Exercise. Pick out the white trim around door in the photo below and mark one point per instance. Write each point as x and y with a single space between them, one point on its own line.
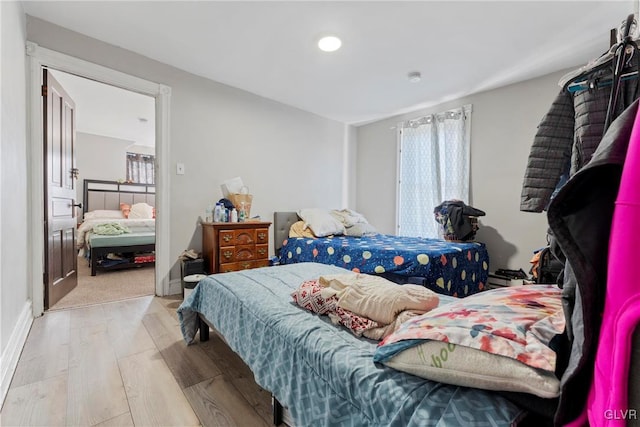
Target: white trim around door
40 58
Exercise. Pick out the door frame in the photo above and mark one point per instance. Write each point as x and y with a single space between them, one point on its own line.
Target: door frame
40 57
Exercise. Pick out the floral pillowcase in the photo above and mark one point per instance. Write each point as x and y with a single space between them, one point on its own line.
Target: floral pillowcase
494 340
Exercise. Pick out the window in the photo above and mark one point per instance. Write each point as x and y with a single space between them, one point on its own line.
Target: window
141 168
433 167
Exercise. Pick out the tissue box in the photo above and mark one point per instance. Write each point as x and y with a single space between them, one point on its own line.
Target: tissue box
231 186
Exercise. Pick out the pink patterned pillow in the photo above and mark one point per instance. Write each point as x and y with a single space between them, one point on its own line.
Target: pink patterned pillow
308 296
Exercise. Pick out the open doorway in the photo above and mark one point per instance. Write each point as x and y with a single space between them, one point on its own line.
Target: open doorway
114 166
41 58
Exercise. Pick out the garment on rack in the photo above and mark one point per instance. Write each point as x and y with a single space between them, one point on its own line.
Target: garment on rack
569 134
585 69
609 389
580 218
627 28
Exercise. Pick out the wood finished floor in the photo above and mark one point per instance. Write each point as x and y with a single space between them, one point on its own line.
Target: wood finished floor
125 364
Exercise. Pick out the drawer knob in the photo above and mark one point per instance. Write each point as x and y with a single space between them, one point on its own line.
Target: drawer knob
262 236
226 238
227 254
262 251
246 265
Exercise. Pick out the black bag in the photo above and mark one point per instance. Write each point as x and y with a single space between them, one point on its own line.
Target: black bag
549 268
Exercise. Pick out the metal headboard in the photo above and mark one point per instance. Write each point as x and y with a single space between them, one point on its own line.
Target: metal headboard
282 222
100 194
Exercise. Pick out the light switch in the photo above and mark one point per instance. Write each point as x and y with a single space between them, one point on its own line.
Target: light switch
179 168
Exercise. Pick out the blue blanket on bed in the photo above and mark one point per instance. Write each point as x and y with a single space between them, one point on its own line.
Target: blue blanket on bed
457 269
320 371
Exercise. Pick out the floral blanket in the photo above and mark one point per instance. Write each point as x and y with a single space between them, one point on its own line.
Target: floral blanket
516 322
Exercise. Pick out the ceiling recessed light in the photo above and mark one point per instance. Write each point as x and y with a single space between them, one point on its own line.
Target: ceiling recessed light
414 77
329 43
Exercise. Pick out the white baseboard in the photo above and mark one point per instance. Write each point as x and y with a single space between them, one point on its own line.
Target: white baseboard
175 287
11 354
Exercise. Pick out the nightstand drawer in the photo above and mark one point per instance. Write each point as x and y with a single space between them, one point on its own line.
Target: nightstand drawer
238 253
237 237
262 235
242 265
262 251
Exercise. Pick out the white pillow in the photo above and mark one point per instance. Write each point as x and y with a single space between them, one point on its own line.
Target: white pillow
141 211
321 222
349 217
103 214
465 366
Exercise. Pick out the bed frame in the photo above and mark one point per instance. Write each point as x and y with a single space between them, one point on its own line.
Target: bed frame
100 194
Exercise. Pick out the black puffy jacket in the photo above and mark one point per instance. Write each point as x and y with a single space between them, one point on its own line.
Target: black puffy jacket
569 134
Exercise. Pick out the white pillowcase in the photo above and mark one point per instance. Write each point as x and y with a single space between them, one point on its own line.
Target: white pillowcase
321 222
103 214
469 367
141 211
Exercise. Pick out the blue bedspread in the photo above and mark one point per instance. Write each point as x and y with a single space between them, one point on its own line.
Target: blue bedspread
457 269
320 371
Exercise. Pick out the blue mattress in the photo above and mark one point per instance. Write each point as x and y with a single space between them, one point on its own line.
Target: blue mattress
457 269
320 371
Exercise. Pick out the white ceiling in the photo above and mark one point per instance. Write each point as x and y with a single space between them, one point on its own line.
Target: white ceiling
110 111
269 48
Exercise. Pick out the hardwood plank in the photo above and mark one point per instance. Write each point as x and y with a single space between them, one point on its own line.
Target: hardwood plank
217 402
87 316
43 403
171 303
131 310
123 420
46 351
124 325
154 396
96 391
129 340
189 364
239 374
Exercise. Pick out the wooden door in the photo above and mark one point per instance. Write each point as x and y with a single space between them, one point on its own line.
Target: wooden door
60 192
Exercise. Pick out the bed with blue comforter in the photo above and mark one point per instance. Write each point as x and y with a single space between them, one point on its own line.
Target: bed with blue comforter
321 372
457 269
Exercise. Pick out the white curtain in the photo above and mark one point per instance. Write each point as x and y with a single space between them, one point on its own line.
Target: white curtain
434 163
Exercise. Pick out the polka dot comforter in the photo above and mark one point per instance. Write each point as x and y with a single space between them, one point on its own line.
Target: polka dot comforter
456 269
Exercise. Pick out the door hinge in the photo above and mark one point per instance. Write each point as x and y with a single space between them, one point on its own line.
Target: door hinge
44 90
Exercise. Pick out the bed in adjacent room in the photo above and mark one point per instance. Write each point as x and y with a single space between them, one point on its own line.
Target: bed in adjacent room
118 230
452 268
325 374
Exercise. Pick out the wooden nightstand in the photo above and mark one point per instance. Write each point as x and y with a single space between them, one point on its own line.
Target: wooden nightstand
233 246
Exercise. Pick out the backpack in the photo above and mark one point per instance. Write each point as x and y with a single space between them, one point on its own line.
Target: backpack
549 268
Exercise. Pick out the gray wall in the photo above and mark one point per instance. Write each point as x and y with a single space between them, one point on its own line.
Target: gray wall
103 157
503 125
100 157
287 157
14 289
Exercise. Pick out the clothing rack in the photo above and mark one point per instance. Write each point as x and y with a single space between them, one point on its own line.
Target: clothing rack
603 62
619 54
621 57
